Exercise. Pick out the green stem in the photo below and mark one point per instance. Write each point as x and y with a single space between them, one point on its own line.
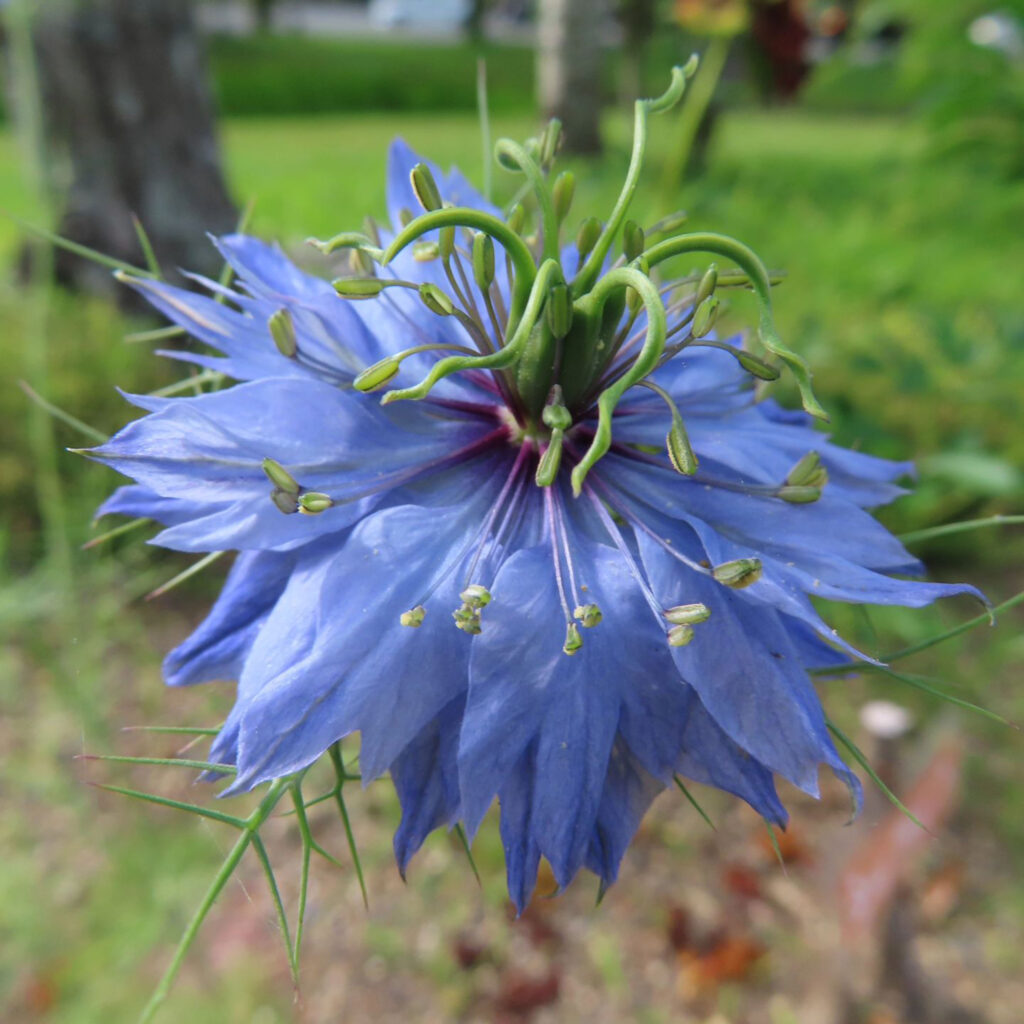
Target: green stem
748 261
550 273
645 362
946 529
515 247
642 109
252 825
538 184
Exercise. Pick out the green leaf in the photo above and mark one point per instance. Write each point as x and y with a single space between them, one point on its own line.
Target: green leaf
693 800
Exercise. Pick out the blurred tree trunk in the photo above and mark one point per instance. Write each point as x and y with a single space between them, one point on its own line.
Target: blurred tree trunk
129 130
264 11
638 18
473 26
569 64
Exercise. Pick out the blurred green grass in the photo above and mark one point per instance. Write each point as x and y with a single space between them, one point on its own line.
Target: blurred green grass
901 291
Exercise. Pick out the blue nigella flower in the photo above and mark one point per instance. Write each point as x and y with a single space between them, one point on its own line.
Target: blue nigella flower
577 559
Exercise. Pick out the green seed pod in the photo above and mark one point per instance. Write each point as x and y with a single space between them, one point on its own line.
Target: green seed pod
425 187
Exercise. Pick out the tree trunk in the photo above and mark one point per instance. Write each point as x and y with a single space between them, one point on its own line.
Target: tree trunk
570 59
130 130
638 18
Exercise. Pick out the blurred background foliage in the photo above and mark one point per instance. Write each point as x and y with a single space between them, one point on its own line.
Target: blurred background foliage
889 186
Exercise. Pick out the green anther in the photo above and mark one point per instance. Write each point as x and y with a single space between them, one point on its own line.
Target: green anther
587 236
425 252
808 472
550 141
483 261
680 451
372 231
358 287
425 188
406 216
476 596
413 617
377 375
589 615
680 636
669 225
799 494
282 330
687 614
312 503
550 461
559 310
360 262
739 573
562 193
704 318
707 285
435 300
468 620
284 501
516 219
756 367
633 240
573 640
280 477
446 242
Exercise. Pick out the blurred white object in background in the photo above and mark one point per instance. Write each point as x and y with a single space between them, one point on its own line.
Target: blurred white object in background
435 14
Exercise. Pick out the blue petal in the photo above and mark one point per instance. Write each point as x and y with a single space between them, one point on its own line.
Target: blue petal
141 503
426 779
219 646
210 450
747 673
359 668
568 708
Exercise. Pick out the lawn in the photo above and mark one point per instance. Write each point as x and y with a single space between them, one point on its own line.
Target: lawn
901 290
